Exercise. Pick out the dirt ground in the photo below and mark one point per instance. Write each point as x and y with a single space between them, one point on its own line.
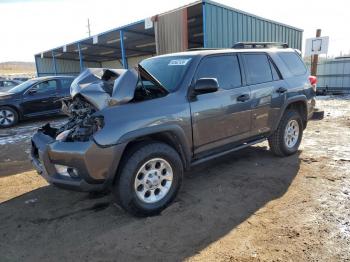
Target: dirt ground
247 206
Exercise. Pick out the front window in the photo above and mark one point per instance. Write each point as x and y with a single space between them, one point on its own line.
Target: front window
45 87
224 68
168 70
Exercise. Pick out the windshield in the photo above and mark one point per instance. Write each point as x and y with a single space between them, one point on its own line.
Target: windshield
168 70
21 87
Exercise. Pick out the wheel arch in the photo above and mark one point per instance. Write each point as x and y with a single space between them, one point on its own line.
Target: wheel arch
298 103
173 137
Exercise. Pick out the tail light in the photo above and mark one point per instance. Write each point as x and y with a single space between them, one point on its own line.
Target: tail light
313 82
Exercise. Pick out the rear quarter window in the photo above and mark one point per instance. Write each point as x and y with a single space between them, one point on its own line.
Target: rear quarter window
294 63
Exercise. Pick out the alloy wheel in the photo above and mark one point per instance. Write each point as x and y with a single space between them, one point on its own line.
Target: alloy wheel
291 133
153 180
6 117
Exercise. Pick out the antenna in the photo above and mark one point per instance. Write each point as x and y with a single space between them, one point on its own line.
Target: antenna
88 27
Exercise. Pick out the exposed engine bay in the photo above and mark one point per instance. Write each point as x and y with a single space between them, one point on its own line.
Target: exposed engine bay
81 123
95 89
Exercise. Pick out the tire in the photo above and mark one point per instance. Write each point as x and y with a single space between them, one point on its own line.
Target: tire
142 172
282 146
8 117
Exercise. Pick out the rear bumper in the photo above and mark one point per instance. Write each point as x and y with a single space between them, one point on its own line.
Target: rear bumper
311 108
95 166
314 113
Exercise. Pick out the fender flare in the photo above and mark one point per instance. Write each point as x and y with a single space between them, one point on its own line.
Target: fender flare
299 98
175 130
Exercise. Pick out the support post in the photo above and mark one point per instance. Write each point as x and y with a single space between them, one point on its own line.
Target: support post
36 65
184 30
54 62
80 59
122 47
204 25
315 57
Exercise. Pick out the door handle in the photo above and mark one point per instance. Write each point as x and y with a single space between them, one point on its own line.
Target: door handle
281 90
243 98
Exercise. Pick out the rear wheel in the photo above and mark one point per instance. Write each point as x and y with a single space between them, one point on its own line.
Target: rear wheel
8 117
287 138
149 179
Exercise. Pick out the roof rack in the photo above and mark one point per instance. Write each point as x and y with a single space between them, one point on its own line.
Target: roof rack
251 45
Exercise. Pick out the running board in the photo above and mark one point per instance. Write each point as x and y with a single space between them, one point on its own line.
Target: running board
207 158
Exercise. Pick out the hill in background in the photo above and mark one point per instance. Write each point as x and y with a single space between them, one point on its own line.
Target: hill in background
17 68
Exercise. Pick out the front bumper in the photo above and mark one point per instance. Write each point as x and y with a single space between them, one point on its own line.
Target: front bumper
95 165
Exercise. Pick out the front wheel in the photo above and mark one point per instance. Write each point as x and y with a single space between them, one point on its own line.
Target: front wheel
287 138
149 179
8 117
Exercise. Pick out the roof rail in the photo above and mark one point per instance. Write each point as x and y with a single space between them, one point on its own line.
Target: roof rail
251 45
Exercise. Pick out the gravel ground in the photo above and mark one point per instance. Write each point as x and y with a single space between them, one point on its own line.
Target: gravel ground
247 206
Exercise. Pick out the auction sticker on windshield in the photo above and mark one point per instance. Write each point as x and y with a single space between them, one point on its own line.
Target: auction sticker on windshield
179 62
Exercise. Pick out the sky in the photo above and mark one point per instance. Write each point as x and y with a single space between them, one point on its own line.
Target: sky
28 27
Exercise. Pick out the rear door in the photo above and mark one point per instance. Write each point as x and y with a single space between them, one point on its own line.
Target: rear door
41 98
224 116
266 87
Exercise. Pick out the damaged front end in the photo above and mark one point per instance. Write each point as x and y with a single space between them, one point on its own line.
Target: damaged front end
91 91
73 165
95 89
82 122
67 155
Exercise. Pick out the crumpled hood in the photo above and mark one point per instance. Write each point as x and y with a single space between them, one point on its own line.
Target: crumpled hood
105 87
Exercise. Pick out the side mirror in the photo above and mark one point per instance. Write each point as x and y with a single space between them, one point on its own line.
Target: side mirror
32 91
206 85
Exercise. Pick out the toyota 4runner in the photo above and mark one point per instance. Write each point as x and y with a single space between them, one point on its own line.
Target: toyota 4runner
135 131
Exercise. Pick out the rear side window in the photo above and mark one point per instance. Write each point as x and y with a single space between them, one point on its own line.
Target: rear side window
293 63
258 68
224 68
65 83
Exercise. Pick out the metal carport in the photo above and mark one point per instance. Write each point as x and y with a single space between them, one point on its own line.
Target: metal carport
200 24
116 47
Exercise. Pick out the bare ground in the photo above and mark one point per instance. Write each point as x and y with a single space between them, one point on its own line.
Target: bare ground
248 206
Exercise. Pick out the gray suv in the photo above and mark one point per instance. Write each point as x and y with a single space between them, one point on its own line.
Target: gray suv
135 131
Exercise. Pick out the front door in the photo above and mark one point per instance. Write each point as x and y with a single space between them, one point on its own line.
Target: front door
224 116
41 98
